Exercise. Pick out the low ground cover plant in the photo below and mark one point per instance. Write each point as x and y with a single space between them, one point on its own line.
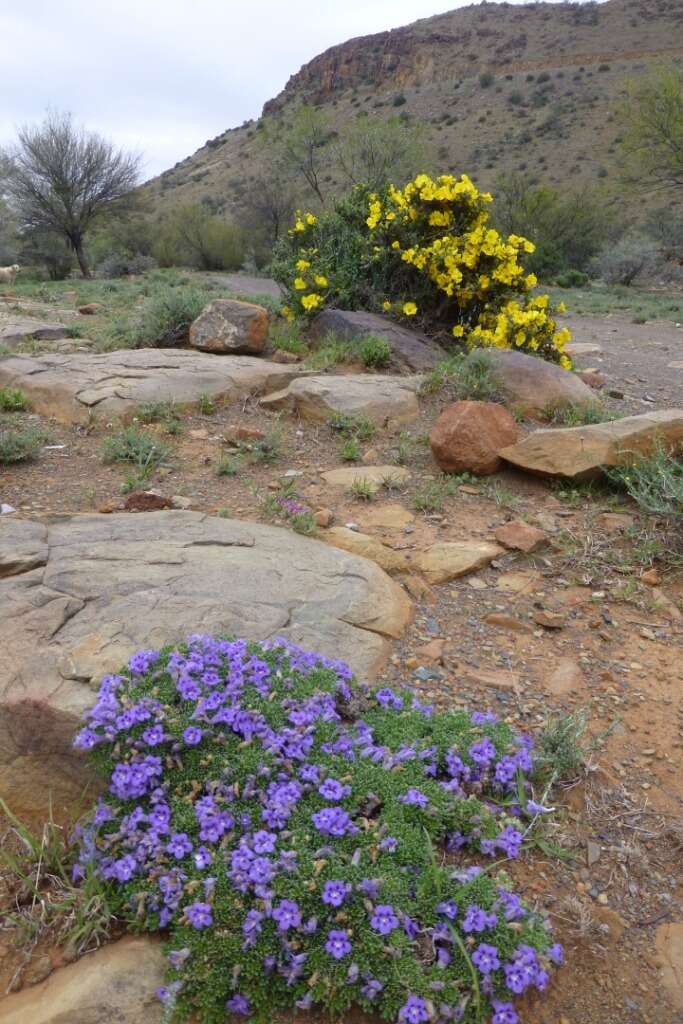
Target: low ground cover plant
18 444
304 841
425 253
12 400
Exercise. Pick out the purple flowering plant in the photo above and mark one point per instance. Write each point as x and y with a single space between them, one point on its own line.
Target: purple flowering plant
279 823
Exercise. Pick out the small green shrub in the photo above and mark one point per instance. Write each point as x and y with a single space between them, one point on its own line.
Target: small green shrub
229 466
655 483
206 405
290 829
142 448
360 427
157 412
349 450
166 316
374 352
363 489
19 444
580 415
463 378
572 279
13 400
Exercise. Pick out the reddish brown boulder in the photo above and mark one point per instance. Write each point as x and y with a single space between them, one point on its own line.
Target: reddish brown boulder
467 437
90 309
229 327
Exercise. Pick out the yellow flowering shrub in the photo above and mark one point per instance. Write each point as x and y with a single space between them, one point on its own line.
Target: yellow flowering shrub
425 252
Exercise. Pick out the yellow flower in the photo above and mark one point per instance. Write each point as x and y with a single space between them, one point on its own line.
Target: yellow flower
565 362
287 313
409 308
302 265
531 281
311 301
395 245
299 284
311 219
321 280
386 306
458 331
299 225
561 307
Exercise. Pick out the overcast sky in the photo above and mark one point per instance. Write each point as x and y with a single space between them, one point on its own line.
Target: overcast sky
163 76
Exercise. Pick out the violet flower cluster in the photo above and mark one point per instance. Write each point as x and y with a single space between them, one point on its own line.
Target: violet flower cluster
279 823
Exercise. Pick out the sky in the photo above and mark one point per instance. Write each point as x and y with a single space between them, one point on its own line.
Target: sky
160 77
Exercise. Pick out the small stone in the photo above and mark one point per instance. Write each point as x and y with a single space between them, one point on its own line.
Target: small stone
651 577
602 899
433 651
323 517
90 308
551 620
201 434
370 456
6 510
503 621
249 434
411 662
593 852
520 536
567 678
180 501
281 356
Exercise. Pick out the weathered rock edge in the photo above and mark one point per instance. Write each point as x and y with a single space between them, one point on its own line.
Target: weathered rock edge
79 594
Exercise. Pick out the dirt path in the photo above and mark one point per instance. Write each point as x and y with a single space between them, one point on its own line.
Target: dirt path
644 362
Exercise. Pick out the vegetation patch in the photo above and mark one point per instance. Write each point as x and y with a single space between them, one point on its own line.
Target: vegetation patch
18 444
13 400
424 253
462 378
288 832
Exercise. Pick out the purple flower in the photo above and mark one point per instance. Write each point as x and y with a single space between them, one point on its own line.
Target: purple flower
389 845
177 957
335 892
449 909
179 845
504 1013
192 736
124 868
556 954
337 945
331 789
383 919
482 753
239 1005
533 808
510 841
202 858
263 842
512 905
370 887
485 957
287 915
372 988
483 718
414 798
199 915
413 1011
333 821
477 920
154 735
388 699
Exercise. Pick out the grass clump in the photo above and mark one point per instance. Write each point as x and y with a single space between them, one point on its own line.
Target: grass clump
13 400
370 350
654 482
349 450
50 904
287 506
255 813
19 444
143 448
431 496
464 378
363 489
360 427
580 415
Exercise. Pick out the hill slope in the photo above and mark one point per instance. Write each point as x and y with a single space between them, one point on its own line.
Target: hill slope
499 88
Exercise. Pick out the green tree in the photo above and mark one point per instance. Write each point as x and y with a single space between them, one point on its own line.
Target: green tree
195 236
301 147
652 116
568 228
60 179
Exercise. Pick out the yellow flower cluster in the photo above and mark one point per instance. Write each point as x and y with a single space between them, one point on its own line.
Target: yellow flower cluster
441 228
313 285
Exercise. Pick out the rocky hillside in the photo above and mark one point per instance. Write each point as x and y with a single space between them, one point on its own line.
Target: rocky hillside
499 87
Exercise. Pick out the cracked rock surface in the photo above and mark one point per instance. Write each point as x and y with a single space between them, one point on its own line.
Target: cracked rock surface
80 594
75 387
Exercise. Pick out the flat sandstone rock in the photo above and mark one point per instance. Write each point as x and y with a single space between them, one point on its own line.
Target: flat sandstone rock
579 453
383 399
79 595
75 387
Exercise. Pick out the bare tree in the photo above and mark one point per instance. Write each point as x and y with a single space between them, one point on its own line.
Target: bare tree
373 151
303 148
60 178
269 205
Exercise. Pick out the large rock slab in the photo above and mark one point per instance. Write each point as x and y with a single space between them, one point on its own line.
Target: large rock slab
467 437
534 386
77 387
669 945
15 330
367 546
116 983
383 399
579 453
410 350
96 588
230 327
